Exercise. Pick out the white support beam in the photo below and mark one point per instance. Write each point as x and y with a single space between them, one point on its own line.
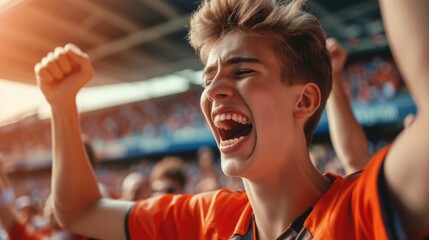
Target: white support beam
185 63
146 73
102 79
112 17
45 19
19 76
91 21
139 37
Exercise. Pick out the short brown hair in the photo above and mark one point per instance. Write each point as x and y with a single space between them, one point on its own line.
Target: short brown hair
300 41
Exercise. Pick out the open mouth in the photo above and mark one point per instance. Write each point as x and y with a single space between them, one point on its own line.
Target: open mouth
232 127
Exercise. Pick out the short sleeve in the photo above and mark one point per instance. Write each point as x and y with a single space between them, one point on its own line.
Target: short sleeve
186 216
367 203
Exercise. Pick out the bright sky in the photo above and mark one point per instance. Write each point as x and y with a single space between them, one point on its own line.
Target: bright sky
19 99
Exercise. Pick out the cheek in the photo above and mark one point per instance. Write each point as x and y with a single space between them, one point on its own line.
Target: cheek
271 112
266 105
205 105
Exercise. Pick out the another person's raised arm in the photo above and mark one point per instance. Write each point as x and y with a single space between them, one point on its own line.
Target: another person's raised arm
8 216
407 164
77 201
347 136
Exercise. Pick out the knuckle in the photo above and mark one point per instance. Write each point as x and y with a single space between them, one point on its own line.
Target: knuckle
44 62
37 68
50 57
58 50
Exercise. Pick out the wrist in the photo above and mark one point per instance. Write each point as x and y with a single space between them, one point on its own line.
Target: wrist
63 105
336 76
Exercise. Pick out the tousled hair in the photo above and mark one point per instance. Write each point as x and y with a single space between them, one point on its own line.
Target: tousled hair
299 40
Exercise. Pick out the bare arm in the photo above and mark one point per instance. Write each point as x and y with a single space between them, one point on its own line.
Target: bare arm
407 164
78 203
347 136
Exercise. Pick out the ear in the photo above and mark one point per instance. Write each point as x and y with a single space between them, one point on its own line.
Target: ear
308 101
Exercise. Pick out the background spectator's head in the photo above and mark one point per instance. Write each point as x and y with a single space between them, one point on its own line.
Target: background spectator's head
168 176
135 187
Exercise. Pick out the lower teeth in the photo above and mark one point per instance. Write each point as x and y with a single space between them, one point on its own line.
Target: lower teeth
231 141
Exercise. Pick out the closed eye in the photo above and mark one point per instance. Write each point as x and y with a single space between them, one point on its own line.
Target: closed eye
240 73
243 72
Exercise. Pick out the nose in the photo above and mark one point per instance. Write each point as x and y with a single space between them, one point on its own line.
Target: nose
219 89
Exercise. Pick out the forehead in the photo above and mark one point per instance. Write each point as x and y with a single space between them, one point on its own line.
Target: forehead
237 44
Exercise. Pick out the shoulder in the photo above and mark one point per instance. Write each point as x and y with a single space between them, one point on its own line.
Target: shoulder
192 215
354 203
222 202
214 199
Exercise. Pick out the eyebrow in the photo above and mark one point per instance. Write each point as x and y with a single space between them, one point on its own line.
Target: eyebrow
232 61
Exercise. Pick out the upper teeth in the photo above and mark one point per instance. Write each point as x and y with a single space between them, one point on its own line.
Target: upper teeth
229 116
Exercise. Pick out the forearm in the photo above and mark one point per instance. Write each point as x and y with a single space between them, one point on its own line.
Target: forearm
406 165
408 35
347 136
77 202
74 184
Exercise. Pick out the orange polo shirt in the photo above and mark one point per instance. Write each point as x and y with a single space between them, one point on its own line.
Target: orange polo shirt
355 207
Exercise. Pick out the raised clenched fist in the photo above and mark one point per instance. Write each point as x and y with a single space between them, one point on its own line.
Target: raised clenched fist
62 73
338 55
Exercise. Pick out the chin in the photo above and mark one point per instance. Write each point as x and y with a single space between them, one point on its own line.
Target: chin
230 168
234 167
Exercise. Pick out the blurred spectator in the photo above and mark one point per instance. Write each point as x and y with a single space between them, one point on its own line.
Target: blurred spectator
20 218
324 158
168 176
160 117
135 187
28 210
209 175
372 79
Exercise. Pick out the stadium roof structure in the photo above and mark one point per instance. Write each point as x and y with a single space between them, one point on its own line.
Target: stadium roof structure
134 40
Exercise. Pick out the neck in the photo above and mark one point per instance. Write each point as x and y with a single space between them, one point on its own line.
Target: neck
278 200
